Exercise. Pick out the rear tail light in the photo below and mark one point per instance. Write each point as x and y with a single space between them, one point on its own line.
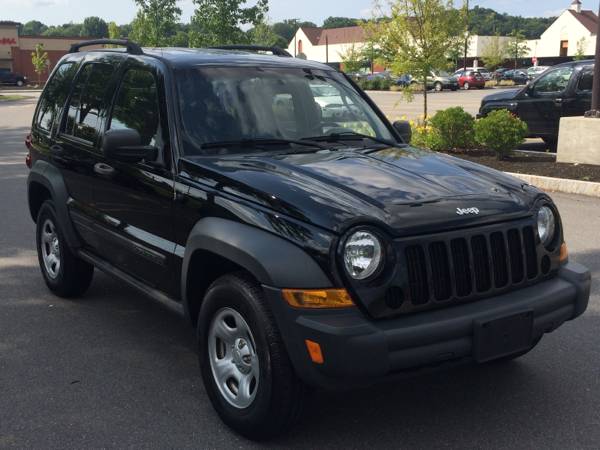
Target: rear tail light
28 156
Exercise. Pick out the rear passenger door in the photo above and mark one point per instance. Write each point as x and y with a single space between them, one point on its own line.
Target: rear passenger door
581 101
74 148
134 200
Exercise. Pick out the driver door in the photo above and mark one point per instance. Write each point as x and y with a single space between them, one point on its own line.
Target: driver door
542 105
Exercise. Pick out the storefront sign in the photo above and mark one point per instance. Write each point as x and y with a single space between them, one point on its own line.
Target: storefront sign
8 41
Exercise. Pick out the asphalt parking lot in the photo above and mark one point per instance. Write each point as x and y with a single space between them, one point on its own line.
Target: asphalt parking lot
116 370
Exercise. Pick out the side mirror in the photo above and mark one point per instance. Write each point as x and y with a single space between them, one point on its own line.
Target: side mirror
403 128
125 145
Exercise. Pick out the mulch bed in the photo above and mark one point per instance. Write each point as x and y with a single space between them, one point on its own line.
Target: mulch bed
542 164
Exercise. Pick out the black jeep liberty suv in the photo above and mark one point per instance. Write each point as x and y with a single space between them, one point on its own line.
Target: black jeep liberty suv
270 201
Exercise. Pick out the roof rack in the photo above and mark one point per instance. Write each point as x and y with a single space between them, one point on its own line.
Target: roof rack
256 48
131 47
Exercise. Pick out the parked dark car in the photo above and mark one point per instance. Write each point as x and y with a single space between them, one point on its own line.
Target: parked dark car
305 250
563 90
470 79
12 78
497 74
518 76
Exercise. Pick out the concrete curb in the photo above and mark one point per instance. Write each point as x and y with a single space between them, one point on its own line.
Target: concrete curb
560 184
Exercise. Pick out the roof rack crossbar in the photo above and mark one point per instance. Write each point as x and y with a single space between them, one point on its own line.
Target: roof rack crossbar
131 47
256 48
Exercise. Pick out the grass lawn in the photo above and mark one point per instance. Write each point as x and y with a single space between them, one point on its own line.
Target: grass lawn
8 98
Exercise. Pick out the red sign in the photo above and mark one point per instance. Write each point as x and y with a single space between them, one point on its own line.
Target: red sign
534 60
8 41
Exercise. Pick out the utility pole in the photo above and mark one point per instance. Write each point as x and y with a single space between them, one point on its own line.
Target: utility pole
466 34
595 111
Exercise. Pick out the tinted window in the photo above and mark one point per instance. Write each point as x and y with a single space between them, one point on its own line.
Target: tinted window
586 81
55 96
88 102
137 106
554 81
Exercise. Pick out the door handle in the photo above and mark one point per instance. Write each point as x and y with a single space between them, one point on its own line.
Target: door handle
104 170
558 101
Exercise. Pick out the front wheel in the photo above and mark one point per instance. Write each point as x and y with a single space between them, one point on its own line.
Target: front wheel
20 83
467 86
438 87
245 367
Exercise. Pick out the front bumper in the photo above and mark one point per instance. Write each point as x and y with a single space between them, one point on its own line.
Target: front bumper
359 351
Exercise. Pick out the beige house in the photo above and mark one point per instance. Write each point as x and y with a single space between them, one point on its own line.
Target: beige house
574 29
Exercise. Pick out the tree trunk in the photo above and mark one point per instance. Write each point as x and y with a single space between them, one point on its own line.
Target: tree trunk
425 101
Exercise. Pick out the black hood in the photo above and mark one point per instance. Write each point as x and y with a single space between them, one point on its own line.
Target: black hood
404 191
504 94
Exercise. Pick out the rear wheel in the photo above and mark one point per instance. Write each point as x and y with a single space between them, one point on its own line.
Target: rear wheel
438 87
467 86
245 367
64 273
20 83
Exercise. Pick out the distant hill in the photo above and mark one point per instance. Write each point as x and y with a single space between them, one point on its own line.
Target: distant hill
486 21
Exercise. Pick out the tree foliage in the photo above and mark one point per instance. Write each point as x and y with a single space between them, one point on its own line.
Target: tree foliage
340 22
264 34
39 60
287 28
417 36
494 53
517 46
354 59
220 22
487 22
33 28
156 22
94 26
581 48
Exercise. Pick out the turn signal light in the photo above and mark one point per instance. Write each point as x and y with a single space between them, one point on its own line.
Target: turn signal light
564 253
318 298
314 350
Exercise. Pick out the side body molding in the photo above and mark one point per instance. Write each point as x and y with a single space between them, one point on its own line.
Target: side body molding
50 177
273 261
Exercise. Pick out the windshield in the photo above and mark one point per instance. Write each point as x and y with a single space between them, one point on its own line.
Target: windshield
231 104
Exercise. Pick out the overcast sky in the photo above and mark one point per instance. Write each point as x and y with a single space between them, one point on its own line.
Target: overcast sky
54 12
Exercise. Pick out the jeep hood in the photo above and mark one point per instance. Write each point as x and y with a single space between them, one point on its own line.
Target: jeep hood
505 94
403 190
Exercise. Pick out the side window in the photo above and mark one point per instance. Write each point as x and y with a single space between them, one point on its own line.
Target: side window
554 81
55 95
586 81
88 102
137 106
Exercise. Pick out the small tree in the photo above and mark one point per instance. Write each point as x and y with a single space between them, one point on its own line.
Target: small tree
155 22
263 34
39 59
500 131
581 48
220 22
494 53
517 46
416 38
353 59
113 31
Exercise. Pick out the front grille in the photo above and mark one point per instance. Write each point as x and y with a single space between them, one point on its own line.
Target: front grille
470 266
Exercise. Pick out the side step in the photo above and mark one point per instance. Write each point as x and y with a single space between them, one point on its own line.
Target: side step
154 294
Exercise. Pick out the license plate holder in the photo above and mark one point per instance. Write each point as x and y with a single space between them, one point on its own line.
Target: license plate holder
502 336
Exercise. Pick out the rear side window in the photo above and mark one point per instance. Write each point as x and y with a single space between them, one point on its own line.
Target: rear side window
55 95
88 102
137 106
586 81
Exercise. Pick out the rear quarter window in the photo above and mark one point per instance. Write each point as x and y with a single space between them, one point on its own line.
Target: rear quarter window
54 97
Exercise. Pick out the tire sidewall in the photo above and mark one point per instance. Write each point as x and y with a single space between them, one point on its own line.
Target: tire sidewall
47 212
234 296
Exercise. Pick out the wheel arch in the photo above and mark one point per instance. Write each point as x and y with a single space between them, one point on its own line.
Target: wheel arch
218 246
45 182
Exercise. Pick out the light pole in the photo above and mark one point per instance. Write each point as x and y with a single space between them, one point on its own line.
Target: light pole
595 111
466 34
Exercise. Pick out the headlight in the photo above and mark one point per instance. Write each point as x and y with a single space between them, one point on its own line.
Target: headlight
362 255
546 225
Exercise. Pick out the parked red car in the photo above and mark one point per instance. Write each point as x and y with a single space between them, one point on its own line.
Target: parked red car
471 79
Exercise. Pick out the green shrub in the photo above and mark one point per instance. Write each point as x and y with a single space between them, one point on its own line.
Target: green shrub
507 83
453 128
500 131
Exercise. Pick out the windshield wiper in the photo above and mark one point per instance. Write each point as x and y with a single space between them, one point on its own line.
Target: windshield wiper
351 135
263 141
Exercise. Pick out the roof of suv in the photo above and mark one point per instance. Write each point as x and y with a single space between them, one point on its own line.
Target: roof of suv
186 57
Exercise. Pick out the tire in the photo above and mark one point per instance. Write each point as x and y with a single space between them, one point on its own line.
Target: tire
64 273
454 89
467 86
274 398
551 142
438 87
20 83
